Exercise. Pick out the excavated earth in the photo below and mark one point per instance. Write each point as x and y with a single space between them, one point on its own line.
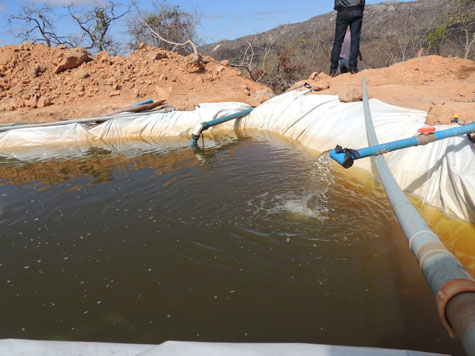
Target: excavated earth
441 86
40 84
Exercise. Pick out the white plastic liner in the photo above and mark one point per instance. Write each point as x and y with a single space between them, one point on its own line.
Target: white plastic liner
175 123
442 174
12 347
38 142
39 136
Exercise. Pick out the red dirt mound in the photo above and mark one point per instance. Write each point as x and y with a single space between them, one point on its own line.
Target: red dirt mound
39 83
441 86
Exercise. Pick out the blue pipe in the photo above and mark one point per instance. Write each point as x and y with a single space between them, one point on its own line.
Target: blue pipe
345 157
148 101
452 285
195 136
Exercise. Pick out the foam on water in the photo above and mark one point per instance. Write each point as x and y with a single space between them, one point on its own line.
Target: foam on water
311 203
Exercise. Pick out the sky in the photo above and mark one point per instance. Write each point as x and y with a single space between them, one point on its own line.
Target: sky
228 19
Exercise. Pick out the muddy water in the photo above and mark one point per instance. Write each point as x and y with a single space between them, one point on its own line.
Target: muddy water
251 240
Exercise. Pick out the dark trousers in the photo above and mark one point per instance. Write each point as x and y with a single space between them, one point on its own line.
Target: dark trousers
345 18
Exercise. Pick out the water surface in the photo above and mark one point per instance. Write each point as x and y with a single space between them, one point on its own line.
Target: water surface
251 240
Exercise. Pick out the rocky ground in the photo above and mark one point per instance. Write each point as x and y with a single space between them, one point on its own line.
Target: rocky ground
441 86
39 83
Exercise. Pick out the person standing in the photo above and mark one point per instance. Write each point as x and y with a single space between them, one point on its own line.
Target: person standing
349 13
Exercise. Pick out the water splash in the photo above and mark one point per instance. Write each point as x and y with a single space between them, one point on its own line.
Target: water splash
318 182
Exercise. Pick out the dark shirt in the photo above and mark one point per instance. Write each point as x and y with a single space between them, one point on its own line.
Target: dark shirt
341 5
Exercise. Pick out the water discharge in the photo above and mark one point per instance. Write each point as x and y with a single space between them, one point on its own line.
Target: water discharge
238 243
314 198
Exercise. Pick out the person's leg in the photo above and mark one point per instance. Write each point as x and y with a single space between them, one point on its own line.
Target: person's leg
340 30
344 65
355 27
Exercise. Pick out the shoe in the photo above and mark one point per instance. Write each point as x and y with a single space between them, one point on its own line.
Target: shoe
354 71
332 75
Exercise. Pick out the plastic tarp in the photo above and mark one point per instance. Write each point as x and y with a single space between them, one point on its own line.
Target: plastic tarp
41 142
12 347
441 173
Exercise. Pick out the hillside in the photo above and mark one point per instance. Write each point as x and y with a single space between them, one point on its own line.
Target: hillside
392 32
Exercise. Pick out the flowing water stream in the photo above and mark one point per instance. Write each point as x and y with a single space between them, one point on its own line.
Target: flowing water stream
319 180
250 240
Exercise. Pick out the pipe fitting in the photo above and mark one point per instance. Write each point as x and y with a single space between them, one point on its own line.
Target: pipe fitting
446 293
197 130
344 156
425 139
195 134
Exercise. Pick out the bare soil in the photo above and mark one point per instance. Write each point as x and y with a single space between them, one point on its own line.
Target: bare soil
441 86
40 84
35 87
